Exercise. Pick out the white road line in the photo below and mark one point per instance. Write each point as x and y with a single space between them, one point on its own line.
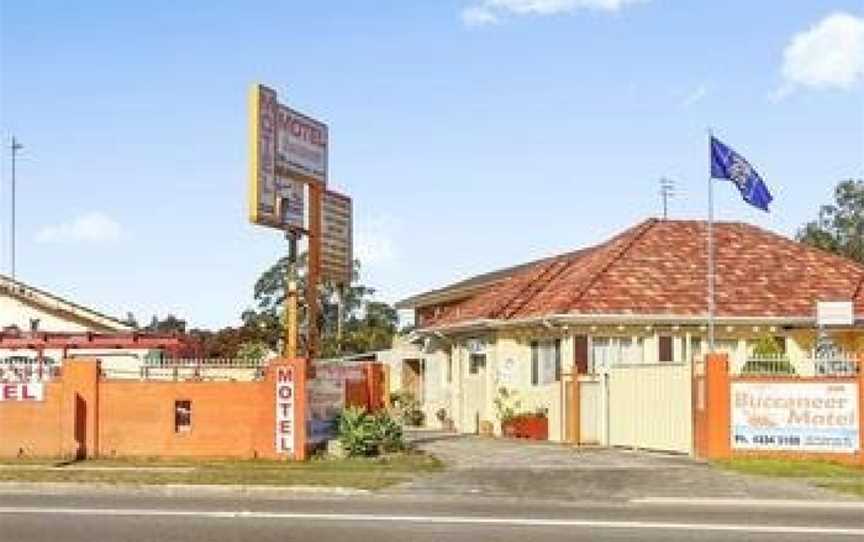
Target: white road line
751 503
451 520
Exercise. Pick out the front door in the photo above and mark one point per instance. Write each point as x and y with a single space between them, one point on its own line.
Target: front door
475 393
412 380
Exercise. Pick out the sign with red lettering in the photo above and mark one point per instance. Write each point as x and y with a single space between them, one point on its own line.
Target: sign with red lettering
285 410
795 416
31 391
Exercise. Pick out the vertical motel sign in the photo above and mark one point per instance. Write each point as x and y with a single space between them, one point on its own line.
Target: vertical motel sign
285 405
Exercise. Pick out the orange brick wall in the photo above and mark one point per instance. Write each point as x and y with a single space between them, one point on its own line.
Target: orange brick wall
228 419
32 429
85 416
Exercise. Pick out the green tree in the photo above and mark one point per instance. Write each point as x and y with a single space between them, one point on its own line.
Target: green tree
365 325
840 226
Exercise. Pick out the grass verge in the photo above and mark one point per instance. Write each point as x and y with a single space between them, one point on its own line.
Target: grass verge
361 473
830 475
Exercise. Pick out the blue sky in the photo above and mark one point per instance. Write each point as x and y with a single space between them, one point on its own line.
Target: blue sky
472 134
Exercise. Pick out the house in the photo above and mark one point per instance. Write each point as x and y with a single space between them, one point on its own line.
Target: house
38 329
636 300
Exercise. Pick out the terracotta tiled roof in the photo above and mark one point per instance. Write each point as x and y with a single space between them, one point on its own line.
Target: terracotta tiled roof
660 268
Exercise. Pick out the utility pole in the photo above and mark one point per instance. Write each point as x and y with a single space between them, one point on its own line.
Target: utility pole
667 190
15 147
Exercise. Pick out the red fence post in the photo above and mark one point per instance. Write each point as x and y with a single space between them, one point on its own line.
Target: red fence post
718 391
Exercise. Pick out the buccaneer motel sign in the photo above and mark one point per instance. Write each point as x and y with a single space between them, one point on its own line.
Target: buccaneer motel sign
285 410
795 417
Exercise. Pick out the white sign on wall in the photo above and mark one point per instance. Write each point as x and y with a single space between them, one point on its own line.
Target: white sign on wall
835 313
31 391
284 410
795 416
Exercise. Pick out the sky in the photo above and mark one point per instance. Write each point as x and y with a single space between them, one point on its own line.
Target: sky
472 134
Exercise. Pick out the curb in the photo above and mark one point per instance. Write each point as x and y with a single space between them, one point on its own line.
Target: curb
175 490
751 503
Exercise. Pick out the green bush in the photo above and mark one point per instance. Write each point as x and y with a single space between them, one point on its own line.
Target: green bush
407 408
363 434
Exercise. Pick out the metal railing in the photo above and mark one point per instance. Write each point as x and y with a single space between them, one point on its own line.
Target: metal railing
195 369
768 365
841 365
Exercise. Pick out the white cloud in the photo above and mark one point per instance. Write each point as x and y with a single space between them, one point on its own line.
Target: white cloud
483 12
828 55
697 95
93 227
373 242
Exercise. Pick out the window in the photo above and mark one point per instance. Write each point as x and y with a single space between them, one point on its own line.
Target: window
182 416
545 362
666 349
449 368
476 362
609 351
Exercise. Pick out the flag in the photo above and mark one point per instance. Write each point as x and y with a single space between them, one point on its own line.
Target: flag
728 164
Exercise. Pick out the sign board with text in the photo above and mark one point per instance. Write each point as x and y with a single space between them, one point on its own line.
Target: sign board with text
287 149
22 392
337 236
835 313
285 405
795 416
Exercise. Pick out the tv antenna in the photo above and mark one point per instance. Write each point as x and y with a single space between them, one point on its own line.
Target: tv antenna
667 191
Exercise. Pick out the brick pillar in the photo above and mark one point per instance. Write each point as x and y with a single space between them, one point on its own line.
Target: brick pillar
718 407
273 430
80 409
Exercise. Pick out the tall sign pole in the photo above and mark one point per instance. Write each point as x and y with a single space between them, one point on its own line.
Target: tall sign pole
289 152
313 276
15 147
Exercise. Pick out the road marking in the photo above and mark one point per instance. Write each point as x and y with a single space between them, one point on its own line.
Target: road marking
750 503
451 520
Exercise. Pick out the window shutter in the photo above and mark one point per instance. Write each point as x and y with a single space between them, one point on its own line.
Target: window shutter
580 354
535 363
667 353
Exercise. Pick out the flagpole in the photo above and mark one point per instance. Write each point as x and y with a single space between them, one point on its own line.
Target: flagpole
711 275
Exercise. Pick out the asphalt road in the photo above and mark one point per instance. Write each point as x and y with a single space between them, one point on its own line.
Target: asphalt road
139 518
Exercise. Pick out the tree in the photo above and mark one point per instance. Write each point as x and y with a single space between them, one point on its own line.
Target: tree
170 324
840 226
365 324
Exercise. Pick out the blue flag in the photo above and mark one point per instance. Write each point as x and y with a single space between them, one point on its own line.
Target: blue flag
728 164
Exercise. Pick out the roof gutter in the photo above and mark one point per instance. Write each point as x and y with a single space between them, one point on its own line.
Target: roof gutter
619 319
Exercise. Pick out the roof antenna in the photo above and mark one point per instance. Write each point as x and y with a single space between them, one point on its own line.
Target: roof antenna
667 191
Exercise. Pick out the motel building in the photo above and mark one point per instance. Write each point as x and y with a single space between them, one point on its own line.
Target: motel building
618 328
38 330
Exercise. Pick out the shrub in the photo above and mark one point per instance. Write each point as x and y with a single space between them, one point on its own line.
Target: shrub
507 405
407 408
363 434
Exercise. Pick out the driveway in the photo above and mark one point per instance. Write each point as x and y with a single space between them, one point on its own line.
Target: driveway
537 470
